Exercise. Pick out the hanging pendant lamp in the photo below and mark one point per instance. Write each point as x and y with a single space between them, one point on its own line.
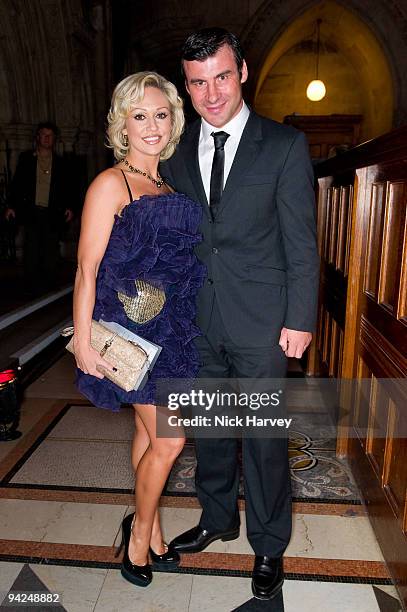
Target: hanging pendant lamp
316 89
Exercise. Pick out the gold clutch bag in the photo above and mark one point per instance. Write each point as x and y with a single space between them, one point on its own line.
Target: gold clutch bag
129 359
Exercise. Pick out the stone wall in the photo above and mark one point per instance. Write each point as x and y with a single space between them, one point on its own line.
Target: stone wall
56 57
54 65
155 38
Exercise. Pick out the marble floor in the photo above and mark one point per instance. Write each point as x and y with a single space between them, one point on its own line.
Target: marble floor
61 541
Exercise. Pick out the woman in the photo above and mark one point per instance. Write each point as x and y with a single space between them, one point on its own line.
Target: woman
136 267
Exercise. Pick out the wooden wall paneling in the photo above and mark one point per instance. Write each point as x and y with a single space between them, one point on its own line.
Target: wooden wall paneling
334 352
315 151
374 241
389 454
327 133
377 427
395 462
328 218
357 251
381 355
394 220
402 296
313 365
340 356
405 515
322 198
363 392
386 327
333 234
342 228
375 336
386 500
356 246
391 539
326 339
321 327
314 360
349 228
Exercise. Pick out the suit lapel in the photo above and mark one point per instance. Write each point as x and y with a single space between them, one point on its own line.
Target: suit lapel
190 156
245 157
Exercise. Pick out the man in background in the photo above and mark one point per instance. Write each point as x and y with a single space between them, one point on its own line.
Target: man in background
38 200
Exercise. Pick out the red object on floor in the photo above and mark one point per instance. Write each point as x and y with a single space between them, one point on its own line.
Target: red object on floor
7 376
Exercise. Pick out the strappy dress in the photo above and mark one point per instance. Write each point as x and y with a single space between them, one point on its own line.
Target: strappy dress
147 281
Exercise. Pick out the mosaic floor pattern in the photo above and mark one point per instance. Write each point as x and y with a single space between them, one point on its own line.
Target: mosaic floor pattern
86 448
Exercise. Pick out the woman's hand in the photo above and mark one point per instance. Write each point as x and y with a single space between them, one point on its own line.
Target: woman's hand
90 362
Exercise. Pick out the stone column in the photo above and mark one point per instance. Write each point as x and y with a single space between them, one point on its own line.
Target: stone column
101 22
68 137
17 138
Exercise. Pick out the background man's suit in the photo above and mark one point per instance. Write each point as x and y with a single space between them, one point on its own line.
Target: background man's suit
22 190
42 225
261 256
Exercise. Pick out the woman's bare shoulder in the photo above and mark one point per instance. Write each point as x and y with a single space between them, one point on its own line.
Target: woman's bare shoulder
106 192
109 178
108 184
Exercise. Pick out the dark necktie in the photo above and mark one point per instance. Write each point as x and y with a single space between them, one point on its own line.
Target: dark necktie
218 166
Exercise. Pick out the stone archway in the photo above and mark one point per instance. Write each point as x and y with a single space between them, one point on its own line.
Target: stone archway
386 24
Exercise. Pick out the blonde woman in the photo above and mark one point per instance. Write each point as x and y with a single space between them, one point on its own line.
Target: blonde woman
136 267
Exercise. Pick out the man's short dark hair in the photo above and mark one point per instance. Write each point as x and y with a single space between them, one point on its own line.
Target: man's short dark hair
205 43
46 125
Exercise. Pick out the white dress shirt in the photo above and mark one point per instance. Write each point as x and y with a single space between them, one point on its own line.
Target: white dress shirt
206 147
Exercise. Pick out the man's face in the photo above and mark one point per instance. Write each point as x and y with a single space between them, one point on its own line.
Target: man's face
45 138
215 86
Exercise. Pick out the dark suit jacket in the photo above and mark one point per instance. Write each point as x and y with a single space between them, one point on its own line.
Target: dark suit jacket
260 250
21 195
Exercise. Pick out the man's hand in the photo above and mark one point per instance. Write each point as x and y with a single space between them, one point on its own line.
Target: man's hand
68 215
9 213
294 342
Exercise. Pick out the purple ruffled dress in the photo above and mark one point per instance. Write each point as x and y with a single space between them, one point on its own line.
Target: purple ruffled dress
153 240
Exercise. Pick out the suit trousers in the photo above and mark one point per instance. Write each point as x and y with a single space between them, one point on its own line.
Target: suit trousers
266 475
41 252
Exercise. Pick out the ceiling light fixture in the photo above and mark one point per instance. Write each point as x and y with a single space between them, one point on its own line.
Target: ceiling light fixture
316 89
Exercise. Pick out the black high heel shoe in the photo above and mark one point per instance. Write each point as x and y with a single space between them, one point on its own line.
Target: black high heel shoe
168 560
141 575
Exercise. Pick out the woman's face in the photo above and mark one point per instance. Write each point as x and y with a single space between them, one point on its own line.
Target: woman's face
148 125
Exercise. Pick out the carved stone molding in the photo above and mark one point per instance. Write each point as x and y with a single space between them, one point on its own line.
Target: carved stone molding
68 136
19 136
83 142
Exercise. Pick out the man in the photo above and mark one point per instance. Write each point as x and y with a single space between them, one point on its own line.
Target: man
39 200
254 180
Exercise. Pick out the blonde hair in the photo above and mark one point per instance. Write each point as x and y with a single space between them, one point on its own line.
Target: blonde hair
126 95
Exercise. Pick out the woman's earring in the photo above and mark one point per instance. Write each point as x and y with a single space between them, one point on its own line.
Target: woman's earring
125 140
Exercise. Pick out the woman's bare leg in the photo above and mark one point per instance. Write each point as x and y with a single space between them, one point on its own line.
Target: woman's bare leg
153 468
141 442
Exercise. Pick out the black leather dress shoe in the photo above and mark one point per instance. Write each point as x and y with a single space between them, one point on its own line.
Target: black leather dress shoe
267 577
197 539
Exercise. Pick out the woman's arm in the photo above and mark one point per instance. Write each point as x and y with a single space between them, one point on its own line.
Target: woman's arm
103 200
